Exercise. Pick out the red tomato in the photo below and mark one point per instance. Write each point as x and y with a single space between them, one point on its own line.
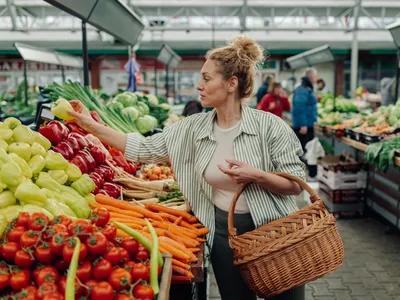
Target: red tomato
142 254
31 293
15 234
59 228
68 251
4 278
61 265
121 296
79 289
23 259
102 270
113 256
124 255
84 271
140 272
53 296
110 231
143 292
28 239
23 219
110 245
45 289
131 245
38 221
102 291
8 251
62 284
20 279
80 228
129 266
62 219
43 254
100 216
120 279
90 285
58 242
97 244
47 274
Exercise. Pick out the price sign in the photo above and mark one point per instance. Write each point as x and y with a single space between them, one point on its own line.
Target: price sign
45 115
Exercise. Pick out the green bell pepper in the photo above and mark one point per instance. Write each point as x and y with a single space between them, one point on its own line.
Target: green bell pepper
7 198
31 208
24 150
23 134
90 198
30 193
45 181
73 172
52 206
11 123
54 195
3 145
43 141
55 161
67 211
38 149
11 212
26 170
76 202
37 163
6 134
58 175
11 174
83 185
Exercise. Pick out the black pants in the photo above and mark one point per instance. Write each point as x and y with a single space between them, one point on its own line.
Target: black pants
304 139
230 283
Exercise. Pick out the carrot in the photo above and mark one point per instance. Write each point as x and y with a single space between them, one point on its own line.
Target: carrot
193 219
173 219
178 246
187 242
203 231
122 233
105 200
178 220
182 271
159 231
197 225
178 263
194 250
182 233
180 278
200 240
131 220
178 254
125 213
161 208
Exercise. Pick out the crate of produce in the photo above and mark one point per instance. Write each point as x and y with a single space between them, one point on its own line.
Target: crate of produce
334 131
343 209
342 181
368 138
341 164
349 133
341 196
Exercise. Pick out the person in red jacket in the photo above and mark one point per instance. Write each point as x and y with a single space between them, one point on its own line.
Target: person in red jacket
275 102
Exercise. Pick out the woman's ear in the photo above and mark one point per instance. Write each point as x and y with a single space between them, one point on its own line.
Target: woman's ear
233 84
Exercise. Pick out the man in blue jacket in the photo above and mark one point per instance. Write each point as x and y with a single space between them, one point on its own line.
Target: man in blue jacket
262 91
304 112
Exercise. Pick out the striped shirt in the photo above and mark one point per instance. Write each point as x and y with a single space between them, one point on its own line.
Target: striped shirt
264 141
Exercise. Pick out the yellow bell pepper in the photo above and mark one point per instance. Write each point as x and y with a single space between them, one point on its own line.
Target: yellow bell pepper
11 123
3 145
37 163
26 170
7 198
23 150
30 193
58 175
73 172
43 141
11 174
45 181
38 149
60 109
55 161
23 134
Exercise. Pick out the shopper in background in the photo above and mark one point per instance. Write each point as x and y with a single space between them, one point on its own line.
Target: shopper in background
304 113
275 102
191 108
263 90
214 153
321 86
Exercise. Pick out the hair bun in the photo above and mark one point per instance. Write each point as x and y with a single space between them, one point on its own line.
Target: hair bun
247 49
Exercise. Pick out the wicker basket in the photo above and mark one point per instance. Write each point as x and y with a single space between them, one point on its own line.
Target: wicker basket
288 252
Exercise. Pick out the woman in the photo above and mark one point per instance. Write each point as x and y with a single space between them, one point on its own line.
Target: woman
214 153
274 102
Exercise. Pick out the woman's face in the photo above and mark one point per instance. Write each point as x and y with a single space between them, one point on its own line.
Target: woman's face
213 88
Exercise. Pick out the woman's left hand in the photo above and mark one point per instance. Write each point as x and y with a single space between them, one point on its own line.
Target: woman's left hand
240 172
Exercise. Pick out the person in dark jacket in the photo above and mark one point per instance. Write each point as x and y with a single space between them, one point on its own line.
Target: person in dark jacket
304 112
274 102
262 91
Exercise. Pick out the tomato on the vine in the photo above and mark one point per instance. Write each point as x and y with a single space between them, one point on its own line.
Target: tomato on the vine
28 239
56 228
20 279
61 265
100 216
45 289
131 245
102 270
62 219
140 272
53 296
14 235
142 254
84 271
120 279
97 243
23 259
110 231
124 255
113 256
90 285
43 254
80 228
102 291
30 292
122 296
8 251
79 289
68 251
38 221
47 274
4 278
23 219
129 266
58 242
143 292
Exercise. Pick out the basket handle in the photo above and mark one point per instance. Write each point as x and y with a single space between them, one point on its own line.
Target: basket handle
313 197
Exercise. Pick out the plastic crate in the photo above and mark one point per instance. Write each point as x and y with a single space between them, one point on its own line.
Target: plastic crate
341 196
341 164
343 181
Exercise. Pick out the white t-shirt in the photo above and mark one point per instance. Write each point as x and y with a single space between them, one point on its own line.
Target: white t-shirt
223 187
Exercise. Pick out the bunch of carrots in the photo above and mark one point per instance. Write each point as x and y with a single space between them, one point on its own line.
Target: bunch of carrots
179 233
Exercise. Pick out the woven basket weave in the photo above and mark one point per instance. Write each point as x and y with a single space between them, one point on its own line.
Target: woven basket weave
288 252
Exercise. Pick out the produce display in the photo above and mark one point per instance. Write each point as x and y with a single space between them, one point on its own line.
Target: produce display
382 154
77 259
34 178
14 105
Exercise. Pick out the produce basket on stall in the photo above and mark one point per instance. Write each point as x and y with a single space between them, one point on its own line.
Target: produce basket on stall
288 252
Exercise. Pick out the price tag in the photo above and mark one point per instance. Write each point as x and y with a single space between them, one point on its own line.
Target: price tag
45 115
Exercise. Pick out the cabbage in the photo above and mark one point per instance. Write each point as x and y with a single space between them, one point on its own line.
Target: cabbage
144 108
152 99
392 120
126 99
396 112
145 124
131 113
152 119
115 106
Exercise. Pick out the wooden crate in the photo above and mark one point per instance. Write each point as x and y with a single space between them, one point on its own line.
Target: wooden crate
165 281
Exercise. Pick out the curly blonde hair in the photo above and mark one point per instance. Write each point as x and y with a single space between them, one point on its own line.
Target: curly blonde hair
239 58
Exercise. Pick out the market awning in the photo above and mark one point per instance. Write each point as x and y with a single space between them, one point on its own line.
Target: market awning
311 57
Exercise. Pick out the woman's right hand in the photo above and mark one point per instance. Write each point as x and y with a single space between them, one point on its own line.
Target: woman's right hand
82 116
